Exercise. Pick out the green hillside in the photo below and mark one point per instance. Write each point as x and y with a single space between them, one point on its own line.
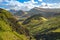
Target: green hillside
35 27
8 27
40 27
50 24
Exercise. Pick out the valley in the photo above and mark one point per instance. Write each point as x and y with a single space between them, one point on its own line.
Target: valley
27 26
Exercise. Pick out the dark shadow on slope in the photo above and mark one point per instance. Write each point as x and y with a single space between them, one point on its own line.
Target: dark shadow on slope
46 34
50 29
49 36
36 16
1 38
17 27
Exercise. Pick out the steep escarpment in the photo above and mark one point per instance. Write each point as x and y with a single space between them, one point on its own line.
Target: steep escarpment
10 29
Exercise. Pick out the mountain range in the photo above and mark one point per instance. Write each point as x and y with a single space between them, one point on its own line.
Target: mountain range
46 12
31 25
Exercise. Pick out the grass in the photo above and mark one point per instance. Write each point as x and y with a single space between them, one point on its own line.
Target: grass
6 30
37 26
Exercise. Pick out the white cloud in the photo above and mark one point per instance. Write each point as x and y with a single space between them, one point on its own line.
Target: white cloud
43 3
6 0
50 5
32 1
29 5
14 4
54 5
40 0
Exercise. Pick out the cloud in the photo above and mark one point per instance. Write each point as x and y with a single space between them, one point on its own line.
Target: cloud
16 5
43 3
54 5
6 0
50 5
11 4
29 5
40 0
32 1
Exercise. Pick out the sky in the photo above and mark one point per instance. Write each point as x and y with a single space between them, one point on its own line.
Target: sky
28 4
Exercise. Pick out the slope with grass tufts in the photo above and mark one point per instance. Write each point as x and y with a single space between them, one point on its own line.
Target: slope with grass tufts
42 28
8 29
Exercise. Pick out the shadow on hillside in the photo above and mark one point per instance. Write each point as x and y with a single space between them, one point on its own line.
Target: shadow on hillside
46 34
1 38
49 36
17 27
36 16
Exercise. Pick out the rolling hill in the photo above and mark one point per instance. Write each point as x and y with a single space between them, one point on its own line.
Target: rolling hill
43 28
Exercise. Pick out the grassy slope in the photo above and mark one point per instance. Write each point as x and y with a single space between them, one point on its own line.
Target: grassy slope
46 26
43 26
6 32
35 25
